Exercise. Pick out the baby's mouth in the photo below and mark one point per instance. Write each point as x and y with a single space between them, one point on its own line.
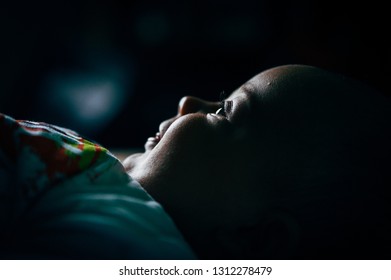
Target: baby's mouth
152 142
163 127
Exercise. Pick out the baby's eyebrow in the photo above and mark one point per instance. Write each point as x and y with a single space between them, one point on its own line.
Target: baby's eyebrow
246 93
249 88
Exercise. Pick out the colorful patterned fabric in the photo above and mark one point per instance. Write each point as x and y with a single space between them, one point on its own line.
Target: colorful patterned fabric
63 196
36 156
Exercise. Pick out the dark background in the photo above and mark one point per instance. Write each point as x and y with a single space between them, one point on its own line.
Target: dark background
113 70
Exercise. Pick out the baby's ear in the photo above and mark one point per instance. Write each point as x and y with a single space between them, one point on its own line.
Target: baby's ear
275 237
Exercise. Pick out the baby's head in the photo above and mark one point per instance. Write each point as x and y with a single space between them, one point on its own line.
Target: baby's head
290 165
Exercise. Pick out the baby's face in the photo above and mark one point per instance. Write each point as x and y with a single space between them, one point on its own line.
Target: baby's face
202 161
206 154
220 165
197 163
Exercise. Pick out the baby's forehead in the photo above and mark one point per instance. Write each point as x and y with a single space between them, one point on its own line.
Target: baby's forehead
255 85
246 89
298 83
310 91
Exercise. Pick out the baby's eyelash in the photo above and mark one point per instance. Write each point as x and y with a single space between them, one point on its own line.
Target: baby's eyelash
223 96
221 104
225 106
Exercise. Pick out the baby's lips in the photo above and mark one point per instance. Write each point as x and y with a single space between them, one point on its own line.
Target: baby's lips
163 127
151 143
158 136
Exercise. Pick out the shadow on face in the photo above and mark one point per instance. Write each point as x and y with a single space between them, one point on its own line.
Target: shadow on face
291 165
308 118
323 154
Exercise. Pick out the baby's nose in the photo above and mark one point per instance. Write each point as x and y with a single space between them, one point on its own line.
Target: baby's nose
190 104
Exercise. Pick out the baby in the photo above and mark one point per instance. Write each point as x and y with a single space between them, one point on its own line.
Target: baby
293 164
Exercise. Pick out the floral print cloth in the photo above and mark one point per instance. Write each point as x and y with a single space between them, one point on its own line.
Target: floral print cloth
36 156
